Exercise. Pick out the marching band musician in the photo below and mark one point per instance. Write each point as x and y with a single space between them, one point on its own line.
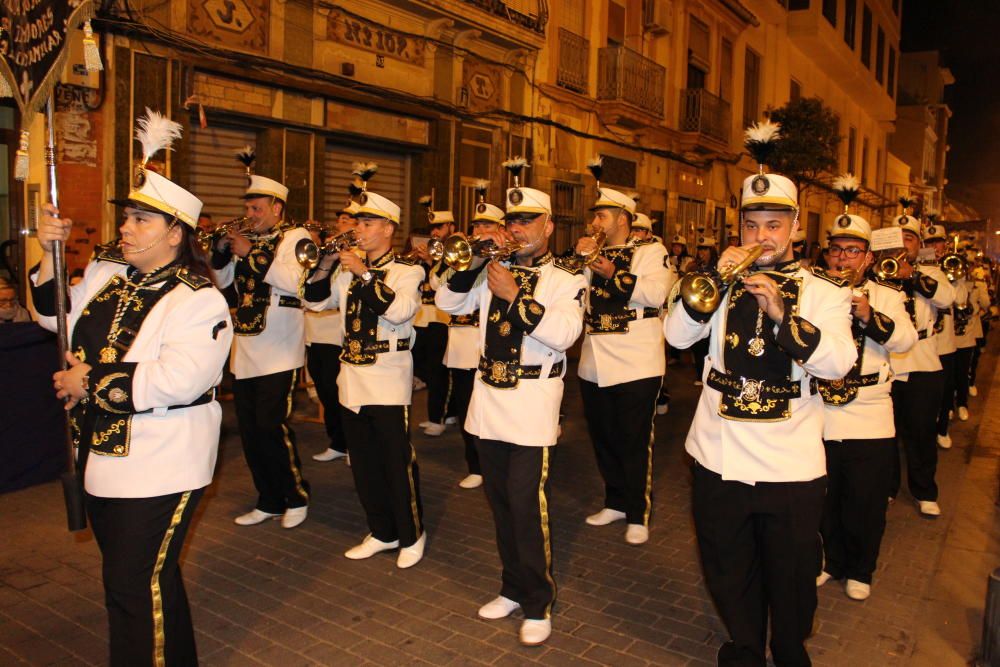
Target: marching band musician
642 229
462 353
379 297
970 302
325 330
858 434
530 313
149 334
981 322
917 385
759 473
268 349
622 361
432 328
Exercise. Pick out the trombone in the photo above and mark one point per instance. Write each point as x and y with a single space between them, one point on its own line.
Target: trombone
309 255
459 251
702 290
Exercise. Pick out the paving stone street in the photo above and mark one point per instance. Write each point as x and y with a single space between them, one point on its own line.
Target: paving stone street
267 596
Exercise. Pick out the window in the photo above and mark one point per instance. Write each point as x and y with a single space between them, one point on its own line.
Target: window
616 24
852 151
567 214
891 78
698 54
618 171
866 38
726 70
830 11
751 88
864 161
798 4
794 90
850 22
572 16
879 52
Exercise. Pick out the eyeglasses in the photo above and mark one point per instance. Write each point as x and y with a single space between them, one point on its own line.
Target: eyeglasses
850 253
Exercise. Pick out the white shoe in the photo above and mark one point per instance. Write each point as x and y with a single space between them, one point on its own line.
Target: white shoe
434 430
348 461
471 482
697 383
498 608
857 590
424 424
944 441
823 577
534 632
929 508
636 534
253 517
369 547
605 516
973 391
293 516
963 413
329 454
662 408
411 555
451 421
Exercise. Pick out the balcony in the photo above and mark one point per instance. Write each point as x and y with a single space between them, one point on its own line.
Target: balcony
707 117
574 61
629 87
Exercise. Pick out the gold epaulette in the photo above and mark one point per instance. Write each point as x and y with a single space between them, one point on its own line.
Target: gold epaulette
821 273
193 280
886 283
405 261
568 266
109 252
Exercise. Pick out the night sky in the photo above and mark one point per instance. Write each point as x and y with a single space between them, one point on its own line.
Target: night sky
967 32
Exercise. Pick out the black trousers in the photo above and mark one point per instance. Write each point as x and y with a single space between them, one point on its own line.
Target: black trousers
149 619
323 361
263 405
620 422
760 553
947 392
428 360
386 475
516 481
915 405
963 369
854 511
462 381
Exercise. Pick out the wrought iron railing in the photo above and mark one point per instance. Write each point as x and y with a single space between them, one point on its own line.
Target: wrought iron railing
627 76
530 14
703 112
574 61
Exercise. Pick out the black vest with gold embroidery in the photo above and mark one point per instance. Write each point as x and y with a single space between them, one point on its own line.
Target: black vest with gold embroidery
609 312
469 320
502 350
845 390
253 295
757 385
110 434
361 346
426 291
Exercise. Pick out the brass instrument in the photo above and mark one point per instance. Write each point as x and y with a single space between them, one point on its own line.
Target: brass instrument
309 255
209 239
953 264
435 248
318 227
887 268
702 291
579 261
459 251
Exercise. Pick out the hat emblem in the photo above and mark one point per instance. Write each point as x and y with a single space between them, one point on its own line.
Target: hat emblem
760 184
140 179
363 199
430 216
516 197
249 181
480 208
844 221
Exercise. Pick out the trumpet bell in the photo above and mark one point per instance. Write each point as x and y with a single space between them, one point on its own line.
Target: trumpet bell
700 292
307 253
435 248
456 252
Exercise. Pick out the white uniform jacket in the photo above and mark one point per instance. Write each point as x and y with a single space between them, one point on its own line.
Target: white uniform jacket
550 319
280 346
176 357
324 326
788 449
966 297
391 299
625 343
979 300
930 291
869 415
462 352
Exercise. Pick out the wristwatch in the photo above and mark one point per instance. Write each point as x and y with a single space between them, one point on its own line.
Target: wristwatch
366 277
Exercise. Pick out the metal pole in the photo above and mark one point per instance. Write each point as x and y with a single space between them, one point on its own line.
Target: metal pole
71 479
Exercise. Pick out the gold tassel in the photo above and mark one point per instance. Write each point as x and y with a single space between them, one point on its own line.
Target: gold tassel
21 161
5 90
91 54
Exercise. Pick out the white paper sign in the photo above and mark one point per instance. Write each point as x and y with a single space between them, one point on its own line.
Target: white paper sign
887 238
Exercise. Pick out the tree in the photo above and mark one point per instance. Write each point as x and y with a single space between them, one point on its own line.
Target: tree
809 140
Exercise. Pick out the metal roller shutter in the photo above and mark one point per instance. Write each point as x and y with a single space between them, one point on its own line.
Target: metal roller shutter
392 180
216 177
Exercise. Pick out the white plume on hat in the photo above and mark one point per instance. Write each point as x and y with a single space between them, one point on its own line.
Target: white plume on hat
156 132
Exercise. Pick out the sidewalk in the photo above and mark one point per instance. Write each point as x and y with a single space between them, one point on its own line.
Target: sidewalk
267 596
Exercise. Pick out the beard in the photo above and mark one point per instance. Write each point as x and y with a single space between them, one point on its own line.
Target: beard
772 257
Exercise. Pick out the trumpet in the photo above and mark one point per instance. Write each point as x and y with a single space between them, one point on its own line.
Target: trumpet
702 291
318 227
435 248
238 225
580 260
309 255
459 251
953 264
887 268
